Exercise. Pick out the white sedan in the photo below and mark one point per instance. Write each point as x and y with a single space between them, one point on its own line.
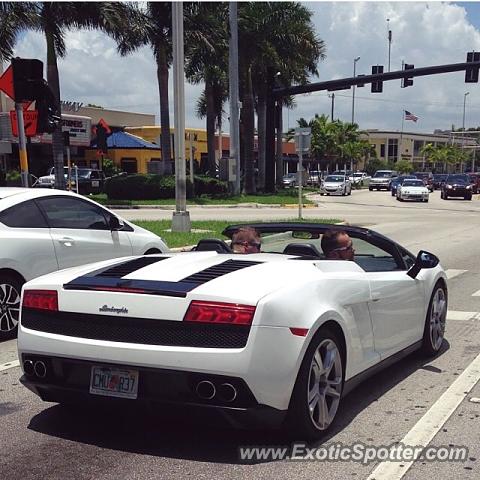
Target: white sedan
46 230
412 189
336 185
278 336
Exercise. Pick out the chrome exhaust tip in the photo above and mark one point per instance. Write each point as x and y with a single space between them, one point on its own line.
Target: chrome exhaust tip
40 369
227 392
28 367
205 390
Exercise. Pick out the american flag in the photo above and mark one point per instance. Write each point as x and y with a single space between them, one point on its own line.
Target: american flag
410 116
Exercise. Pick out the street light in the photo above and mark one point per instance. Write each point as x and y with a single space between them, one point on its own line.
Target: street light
389 36
355 60
464 100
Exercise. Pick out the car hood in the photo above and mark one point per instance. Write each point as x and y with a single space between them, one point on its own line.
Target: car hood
164 285
414 189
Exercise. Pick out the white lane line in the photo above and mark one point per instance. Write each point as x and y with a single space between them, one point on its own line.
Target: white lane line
451 273
12 364
428 426
457 315
476 294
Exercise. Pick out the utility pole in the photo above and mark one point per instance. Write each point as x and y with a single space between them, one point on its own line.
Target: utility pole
332 96
181 218
355 60
389 42
234 160
22 144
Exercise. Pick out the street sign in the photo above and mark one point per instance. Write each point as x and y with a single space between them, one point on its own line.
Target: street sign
30 118
303 138
6 83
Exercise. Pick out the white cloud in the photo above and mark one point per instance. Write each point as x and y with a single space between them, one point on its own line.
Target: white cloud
423 34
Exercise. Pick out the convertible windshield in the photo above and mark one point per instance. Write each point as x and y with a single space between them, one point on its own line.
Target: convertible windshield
335 178
412 183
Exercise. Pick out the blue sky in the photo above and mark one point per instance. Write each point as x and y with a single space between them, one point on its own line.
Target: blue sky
424 33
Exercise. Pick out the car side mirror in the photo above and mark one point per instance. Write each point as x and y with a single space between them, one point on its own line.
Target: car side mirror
116 223
424 260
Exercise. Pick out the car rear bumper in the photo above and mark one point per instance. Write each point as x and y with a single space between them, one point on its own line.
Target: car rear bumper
67 381
268 363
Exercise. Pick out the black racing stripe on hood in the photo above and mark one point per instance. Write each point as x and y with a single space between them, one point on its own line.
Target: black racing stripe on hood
121 269
218 270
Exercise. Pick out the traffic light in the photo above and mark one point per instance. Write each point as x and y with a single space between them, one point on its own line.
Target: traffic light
407 82
377 87
471 73
48 115
361 84
101 138
27 73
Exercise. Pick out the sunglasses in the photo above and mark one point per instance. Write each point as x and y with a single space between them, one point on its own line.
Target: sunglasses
344 249
249 244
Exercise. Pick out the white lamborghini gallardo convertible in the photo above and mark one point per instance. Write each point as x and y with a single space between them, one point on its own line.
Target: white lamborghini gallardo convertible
275 337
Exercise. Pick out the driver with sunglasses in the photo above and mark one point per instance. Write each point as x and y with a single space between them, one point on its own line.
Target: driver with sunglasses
246 240
337 245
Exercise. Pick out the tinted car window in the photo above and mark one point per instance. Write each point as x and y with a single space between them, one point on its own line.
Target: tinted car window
23 215
373 258
64 212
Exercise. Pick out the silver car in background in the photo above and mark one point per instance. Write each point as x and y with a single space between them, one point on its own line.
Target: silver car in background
336 185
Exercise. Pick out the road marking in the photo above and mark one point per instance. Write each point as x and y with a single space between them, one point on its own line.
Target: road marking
476 294
428 426
462 316
451 273
12 364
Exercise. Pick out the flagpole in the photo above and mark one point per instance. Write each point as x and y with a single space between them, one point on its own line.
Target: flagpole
399 155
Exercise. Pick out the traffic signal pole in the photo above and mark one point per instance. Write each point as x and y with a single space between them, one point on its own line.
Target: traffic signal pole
22 145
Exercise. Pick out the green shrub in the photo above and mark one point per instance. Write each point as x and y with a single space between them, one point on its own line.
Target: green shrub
150 187
13 176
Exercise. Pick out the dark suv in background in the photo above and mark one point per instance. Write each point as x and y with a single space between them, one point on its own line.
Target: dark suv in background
456 185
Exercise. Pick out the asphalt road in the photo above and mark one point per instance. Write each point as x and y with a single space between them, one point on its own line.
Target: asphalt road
411 400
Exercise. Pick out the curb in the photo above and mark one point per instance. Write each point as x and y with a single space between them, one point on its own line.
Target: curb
236 205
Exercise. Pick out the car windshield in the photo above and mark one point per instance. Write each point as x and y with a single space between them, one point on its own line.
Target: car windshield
458 179
290 175
382 174
358 174
83 172
439 176
412 183
335 178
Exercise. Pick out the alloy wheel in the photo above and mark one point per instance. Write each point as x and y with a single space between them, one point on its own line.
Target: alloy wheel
438 314
325 384
9 307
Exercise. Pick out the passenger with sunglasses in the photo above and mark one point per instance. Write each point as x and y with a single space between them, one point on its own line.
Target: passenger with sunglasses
337 245
246 240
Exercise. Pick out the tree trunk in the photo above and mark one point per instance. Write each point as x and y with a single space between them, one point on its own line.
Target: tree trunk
210 99
57 136
248 120
162 77
279 148
262 130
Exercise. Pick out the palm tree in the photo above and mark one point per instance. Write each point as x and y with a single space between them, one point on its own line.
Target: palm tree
278 37
54 19
153 28
207 61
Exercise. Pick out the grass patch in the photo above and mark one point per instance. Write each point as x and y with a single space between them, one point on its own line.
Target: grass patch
279 198
211 229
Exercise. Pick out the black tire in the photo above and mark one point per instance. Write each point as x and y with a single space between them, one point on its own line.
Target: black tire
370 189
431 343
468 197
10 290
441 195
299 420
445 196
350 191
322 194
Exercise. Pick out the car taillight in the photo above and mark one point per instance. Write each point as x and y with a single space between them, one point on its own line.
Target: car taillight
40 299
213 312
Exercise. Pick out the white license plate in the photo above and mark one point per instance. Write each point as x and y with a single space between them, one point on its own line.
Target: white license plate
95 183
114 382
